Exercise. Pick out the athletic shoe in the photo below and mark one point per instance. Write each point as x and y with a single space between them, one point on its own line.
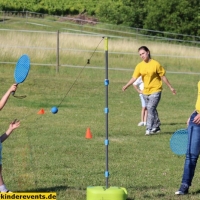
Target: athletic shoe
141 124
182 190
148 132
155 130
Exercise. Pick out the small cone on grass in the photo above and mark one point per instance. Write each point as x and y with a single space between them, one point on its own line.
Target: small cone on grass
41 112
88 134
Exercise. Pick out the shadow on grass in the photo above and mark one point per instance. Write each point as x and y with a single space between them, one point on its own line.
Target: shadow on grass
161 133
195 193
173 123
146 195
53 189
167 133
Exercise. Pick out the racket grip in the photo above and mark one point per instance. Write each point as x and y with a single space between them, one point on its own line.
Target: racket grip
13 92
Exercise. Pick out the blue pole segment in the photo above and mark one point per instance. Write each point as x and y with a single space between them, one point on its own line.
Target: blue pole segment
106 174
106 82
106 142
106 110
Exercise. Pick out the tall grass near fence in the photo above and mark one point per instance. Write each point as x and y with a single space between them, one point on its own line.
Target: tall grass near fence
77 49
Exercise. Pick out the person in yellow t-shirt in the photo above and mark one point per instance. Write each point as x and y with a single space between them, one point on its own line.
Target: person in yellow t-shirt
153 74
193 148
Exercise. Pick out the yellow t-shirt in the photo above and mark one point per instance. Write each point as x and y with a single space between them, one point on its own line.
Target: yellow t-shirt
197 107
151 73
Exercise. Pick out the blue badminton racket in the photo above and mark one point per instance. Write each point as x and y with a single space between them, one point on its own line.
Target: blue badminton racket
21 71
179 141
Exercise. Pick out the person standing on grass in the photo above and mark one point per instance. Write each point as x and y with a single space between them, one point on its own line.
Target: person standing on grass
13 125
193 148
139 86
152 75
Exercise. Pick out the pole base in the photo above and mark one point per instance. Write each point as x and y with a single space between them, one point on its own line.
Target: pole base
103 193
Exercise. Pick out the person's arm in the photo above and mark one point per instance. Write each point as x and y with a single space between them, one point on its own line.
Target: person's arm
131 81
137 89
6 95
164 79
13 125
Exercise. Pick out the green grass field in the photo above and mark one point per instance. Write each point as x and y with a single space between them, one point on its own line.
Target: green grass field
49 153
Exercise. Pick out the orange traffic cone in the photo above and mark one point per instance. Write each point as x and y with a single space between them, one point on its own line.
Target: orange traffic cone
88 134
41 112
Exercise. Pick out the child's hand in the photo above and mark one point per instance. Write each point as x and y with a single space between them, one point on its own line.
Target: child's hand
15 124
13 88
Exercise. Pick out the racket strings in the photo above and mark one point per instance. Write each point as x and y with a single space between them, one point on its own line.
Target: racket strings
21 72
22 69
88 62
178 142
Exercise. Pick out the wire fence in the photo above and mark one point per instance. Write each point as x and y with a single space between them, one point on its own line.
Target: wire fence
68 49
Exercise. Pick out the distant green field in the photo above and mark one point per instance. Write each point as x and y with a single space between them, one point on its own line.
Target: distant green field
50 153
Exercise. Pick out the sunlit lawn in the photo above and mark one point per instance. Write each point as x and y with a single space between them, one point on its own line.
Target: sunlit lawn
49 152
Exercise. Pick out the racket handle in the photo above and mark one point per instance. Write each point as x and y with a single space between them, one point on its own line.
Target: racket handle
13 92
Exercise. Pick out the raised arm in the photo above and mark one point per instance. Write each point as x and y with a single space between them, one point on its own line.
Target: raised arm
13 125
6 95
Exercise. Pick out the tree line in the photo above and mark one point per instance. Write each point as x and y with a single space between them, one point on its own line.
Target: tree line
175 16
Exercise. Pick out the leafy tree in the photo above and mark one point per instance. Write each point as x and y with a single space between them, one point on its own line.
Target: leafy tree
126 12
180 16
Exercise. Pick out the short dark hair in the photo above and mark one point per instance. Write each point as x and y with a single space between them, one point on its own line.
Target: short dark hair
146 49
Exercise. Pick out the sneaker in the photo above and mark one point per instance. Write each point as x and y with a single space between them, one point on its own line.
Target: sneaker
141 124
182 190
148 132
155 130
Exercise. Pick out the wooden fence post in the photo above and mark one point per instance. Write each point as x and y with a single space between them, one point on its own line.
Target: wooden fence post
57 55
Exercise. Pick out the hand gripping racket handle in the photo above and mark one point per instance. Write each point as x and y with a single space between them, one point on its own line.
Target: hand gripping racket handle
13 92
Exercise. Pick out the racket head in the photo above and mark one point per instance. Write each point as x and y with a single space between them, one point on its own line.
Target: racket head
179 141
22 69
